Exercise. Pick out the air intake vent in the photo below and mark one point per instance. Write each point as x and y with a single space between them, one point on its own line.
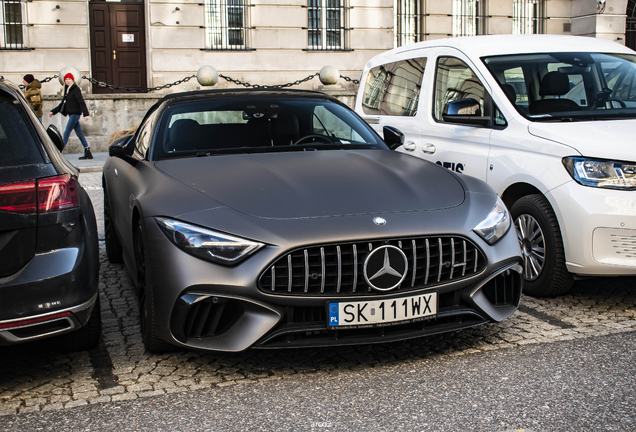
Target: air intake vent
504 289
338 269
208 318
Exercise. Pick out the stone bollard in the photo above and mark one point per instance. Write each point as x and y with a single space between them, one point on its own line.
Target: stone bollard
75 71
329 75
207 76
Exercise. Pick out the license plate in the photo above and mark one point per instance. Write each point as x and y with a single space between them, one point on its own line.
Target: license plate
382 312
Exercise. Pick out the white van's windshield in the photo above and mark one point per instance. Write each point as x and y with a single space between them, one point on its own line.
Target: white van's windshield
568 86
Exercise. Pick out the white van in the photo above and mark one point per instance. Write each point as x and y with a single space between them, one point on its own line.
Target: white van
548 121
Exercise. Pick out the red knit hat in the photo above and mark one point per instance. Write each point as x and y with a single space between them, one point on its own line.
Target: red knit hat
69 75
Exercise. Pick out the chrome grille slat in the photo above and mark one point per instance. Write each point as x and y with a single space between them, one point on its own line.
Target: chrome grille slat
322 268
306 270
339 252
355 268
432 261
441 259
414 249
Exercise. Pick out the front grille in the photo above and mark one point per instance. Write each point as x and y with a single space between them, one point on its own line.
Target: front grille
330 270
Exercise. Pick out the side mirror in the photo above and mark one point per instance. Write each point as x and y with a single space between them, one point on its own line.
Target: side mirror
464 111
393 137
56 137
120 147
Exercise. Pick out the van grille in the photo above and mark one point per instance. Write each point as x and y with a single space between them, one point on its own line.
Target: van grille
332 270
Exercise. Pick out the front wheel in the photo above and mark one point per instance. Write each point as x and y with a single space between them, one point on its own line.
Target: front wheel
146 297
542 249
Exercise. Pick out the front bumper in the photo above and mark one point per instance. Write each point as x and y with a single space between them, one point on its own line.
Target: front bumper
598 227
206 306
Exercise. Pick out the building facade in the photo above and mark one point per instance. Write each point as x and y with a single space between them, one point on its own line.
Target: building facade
149 43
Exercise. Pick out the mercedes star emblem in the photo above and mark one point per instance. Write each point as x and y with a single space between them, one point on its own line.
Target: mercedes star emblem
379 221
385 268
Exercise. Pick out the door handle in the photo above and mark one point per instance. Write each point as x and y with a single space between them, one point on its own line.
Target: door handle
429 148
114 55
409 146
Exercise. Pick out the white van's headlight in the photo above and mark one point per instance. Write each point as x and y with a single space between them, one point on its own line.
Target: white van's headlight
602 173
496 224
207 244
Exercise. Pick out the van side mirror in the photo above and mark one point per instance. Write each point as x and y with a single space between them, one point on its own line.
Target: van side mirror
393 137
464 111
120 147
56 137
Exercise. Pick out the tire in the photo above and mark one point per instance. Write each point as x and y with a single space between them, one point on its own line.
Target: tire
114 251
87 337
542 249
146 298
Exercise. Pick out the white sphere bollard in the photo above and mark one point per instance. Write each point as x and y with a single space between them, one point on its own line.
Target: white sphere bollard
75 71
207 76
329 75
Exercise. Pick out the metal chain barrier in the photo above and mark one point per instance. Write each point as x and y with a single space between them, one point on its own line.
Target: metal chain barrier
351 80
276 86
143 90
186 79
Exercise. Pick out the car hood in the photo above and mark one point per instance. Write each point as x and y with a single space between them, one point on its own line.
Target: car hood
606 139
318 183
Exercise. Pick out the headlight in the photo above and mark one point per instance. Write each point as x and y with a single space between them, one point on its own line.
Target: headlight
207 244
602 173
496 224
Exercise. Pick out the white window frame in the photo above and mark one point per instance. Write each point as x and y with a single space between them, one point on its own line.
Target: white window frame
467 17
323 7
218 24
528 16
406 23
21 25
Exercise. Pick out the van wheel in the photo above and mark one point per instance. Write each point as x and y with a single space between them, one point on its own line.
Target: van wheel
539 236
114 251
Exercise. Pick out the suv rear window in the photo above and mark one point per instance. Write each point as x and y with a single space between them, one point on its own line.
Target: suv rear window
17 146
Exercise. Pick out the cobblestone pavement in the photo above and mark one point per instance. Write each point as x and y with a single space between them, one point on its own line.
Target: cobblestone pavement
37 377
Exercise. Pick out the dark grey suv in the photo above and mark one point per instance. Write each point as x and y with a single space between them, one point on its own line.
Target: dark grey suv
49 256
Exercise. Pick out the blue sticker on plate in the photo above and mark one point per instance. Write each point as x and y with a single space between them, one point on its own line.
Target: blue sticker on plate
333 314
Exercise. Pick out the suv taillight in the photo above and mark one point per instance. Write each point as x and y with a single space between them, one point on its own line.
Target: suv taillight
45 195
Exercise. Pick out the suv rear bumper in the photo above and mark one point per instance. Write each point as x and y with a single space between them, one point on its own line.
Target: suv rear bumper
53 294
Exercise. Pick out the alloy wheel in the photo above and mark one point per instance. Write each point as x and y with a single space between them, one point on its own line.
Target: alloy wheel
532 244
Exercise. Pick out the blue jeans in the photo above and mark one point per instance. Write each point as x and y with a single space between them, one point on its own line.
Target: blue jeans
74 124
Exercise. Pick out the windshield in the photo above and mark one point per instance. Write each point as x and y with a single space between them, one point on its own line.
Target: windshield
250 125
568 86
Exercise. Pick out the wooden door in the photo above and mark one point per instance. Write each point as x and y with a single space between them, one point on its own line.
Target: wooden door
118 45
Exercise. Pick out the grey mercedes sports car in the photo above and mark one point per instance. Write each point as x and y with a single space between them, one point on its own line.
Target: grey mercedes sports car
272 219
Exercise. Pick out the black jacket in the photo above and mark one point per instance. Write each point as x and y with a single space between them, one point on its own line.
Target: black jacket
72 102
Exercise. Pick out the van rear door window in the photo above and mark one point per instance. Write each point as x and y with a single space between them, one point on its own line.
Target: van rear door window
394 89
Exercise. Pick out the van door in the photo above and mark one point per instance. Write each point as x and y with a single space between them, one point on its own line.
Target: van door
391 98
460 148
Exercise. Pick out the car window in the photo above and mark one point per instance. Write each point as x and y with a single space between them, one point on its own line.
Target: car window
568 84
17 146
394 89
327 123
237 125
454 81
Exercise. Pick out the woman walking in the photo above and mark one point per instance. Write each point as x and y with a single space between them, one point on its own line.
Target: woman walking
73 106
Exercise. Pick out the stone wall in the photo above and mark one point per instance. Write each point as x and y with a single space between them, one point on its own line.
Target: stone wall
110 113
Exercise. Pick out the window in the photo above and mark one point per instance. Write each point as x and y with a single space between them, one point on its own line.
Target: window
11 24
226 24
394 88
454 81
528 16
406 22
326 25
467 17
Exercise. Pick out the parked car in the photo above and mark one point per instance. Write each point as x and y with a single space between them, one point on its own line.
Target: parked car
280 219
547 121
49 256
